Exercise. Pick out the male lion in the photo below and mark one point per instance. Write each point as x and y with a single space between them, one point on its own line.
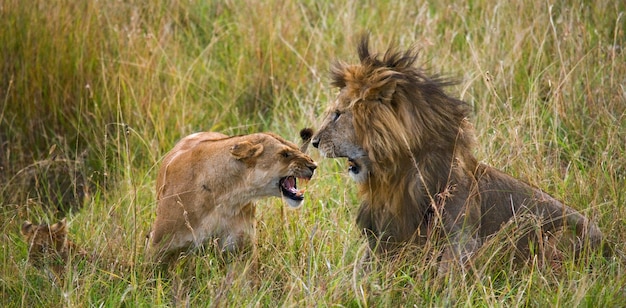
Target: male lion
409 148
207 185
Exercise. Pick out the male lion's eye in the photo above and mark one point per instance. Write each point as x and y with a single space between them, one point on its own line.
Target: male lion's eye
336 115
285 154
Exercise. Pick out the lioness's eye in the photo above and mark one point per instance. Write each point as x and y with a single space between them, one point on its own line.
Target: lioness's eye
285 154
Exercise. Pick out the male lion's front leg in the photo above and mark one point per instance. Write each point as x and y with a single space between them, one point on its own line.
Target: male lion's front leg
461 221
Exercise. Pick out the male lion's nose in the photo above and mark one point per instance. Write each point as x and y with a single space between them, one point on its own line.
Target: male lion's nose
315 142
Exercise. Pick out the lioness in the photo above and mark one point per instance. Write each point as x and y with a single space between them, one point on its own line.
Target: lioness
409 147
207 185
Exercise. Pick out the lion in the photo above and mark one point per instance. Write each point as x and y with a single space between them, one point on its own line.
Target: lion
409 149
48 245
208 183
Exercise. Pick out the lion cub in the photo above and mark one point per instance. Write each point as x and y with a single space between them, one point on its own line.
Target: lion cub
49 245
207 185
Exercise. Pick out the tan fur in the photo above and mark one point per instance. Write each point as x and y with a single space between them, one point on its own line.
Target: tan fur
410 151
207 185
50 248
48 245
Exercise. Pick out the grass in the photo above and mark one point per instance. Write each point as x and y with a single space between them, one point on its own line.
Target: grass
111 86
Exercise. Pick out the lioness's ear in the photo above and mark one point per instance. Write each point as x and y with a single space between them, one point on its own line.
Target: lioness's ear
245 150
27 228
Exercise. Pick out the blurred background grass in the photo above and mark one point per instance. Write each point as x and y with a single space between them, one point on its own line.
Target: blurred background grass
93 93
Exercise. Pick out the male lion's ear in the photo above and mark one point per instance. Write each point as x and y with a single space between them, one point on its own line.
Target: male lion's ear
387 91
246 150
383 91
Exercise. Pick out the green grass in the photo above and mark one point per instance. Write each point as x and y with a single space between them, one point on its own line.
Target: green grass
112 85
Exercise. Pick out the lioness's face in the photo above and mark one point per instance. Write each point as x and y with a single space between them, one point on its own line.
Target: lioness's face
337 137
277 166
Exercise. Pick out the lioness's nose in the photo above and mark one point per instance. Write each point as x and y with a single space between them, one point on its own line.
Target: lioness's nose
313 166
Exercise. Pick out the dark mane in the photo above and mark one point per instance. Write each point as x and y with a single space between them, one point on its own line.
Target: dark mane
421 107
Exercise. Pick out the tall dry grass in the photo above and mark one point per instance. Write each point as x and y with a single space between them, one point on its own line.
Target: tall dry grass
109 86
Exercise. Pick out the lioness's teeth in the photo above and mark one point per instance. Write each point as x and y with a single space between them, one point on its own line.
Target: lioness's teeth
300 192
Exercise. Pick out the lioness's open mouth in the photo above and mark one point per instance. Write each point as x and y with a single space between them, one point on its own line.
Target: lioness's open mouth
289 188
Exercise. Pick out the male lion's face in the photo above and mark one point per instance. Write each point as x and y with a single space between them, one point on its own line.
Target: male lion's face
45 242
275 166
337 137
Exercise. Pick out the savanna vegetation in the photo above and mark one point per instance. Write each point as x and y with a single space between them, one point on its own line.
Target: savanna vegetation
94 93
